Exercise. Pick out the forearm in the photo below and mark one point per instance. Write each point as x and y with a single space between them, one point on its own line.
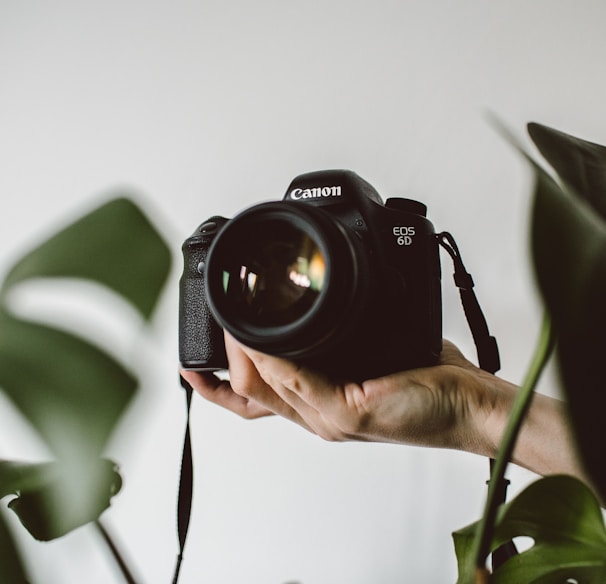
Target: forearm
545 443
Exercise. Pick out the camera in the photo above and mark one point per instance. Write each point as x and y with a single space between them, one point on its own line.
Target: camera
330 277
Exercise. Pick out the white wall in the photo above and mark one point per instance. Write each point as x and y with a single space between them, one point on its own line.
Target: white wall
206 107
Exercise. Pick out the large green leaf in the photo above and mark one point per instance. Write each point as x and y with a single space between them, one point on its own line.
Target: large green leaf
569 256
72 392
53 498
580 164
564 519
114 245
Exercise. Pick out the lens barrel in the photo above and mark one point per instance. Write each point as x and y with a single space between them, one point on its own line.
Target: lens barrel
286 278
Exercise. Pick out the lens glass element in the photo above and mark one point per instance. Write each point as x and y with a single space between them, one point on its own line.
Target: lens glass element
276 276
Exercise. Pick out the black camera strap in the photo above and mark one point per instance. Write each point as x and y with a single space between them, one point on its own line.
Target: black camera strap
186 482
486 344
488 356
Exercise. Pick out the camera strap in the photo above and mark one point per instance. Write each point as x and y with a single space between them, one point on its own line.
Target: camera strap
486 345
186 482
488 357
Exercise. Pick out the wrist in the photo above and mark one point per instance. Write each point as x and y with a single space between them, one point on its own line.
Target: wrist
545 444
489 400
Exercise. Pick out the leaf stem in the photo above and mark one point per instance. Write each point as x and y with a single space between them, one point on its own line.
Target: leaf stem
128 577
522 401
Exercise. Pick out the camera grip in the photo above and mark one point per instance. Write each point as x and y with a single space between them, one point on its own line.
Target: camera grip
201 341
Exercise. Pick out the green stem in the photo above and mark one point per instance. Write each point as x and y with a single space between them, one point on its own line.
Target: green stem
523 399
128 577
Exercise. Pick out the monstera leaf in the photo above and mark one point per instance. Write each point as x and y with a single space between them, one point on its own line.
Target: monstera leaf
69 390
564 519
115 245
569 256
47 505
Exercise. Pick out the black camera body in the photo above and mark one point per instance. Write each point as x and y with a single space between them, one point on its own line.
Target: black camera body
330 277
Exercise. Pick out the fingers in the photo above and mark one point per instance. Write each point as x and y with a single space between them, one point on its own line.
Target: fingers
220 392
246 393
292 381
247 382
414 406
302 389
331 410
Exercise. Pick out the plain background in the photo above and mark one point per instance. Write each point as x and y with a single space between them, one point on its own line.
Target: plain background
206 107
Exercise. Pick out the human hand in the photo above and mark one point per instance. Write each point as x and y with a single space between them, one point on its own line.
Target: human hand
445 406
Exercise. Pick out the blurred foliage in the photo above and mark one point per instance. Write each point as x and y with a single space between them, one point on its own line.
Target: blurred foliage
568 244
569 255
565 521
69 390
41 493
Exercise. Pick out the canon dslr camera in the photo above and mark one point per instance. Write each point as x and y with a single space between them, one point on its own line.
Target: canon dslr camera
330 277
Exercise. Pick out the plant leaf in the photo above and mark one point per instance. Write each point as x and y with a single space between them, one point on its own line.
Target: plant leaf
71 391
580 164
569 255
565 520
68 389
114 245
55 498
12 568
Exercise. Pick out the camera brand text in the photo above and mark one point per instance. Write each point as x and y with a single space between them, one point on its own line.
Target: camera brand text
315 193
403 235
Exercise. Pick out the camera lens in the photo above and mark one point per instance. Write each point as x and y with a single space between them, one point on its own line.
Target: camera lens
278 277
287 279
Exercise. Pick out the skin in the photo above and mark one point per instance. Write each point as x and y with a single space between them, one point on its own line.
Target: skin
452 405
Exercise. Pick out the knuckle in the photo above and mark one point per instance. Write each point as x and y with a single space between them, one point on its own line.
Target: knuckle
326 431
331 432
291 379
332 436
247 415
355 426
241 386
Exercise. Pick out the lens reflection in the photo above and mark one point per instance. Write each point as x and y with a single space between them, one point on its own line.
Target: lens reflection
278 276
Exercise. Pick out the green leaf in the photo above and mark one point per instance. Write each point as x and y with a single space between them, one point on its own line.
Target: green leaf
580 164
565 521
114 245
72 392
12 567
55 498
569 256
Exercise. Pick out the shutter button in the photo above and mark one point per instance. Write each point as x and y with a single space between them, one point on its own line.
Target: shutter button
407 205
208 227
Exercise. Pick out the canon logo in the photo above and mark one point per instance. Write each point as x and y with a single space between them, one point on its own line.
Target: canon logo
315 193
